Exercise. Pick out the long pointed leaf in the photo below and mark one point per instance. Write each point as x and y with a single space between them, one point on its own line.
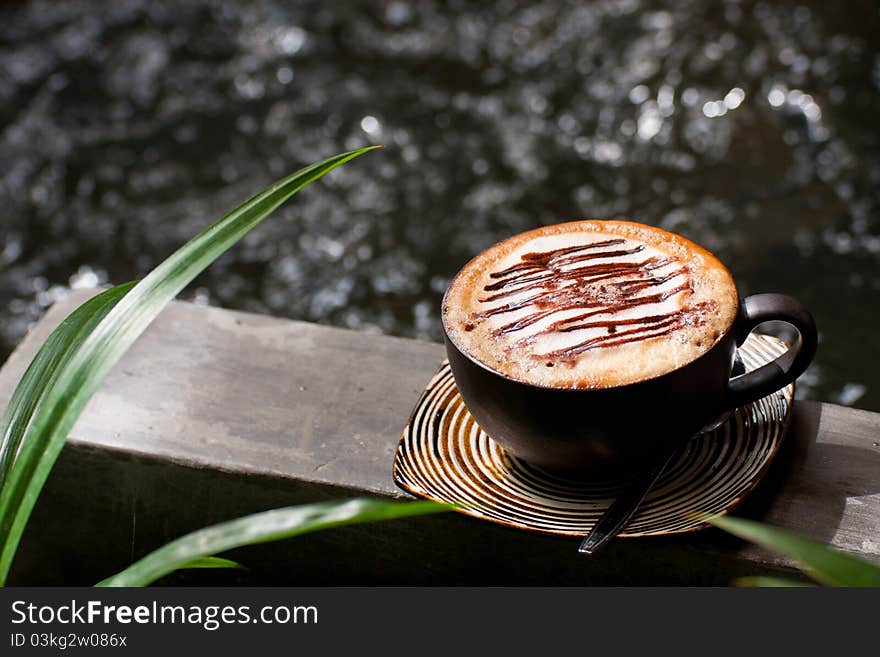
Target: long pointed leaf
821 562
261 528
75 383
35 381
211 562
32 390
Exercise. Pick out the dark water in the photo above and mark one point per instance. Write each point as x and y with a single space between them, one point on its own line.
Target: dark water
752 128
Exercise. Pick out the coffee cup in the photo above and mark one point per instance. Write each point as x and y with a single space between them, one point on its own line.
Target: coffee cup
582 346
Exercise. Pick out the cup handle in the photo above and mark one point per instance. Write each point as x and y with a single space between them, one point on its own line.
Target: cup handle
775 375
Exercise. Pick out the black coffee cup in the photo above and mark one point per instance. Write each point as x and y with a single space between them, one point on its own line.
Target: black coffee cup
616 428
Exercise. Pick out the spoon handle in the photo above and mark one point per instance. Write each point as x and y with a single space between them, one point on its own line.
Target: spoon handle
627 502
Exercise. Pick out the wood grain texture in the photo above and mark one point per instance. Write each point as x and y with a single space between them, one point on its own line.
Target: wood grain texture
252 394
215 413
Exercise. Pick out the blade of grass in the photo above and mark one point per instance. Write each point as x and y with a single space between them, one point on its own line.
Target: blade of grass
54 352
821 562
261 528
211 562
85 369
33 387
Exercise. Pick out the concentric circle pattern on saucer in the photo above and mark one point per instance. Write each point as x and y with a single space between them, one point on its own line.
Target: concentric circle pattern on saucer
444 456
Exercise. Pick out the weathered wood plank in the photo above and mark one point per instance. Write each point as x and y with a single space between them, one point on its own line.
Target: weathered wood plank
252 394
216 413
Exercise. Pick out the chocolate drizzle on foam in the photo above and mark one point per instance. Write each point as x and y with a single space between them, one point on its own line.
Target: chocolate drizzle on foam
606 281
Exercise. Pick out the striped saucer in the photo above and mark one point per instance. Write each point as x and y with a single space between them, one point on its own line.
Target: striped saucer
444 456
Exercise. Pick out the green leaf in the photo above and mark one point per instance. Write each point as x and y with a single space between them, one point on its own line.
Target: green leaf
821 562
769 582
30 395
261 528
76 379
211 562
54 352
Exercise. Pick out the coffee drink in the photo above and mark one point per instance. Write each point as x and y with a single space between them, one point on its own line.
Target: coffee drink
590 304
587 346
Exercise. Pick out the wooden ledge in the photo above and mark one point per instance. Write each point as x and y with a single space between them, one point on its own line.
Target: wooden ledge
215 413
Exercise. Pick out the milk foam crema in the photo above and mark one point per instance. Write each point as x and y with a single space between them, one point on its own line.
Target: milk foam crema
590 304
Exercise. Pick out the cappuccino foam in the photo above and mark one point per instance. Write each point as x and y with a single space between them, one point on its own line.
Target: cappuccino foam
590 304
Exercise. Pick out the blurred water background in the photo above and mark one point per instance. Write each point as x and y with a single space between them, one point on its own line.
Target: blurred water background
750 127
